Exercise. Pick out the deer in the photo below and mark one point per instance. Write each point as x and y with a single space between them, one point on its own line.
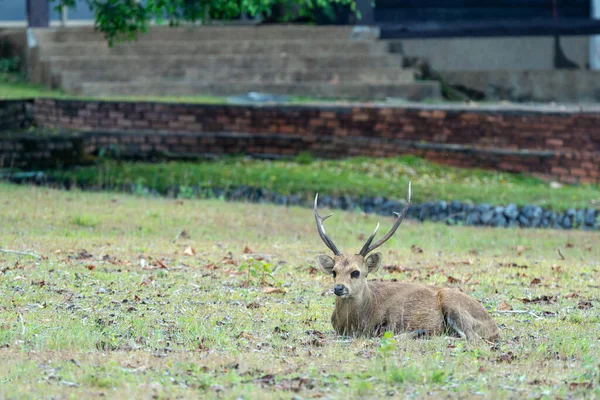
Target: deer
370 308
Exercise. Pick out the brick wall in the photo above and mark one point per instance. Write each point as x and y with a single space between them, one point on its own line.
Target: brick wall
15 114
558 145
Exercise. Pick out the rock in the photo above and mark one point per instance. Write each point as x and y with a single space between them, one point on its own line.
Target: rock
455 207
378 201
392 206
567 222
425 211
511 211
499 210
325 200
335 203
579 220
590 217
346 203
499 221
414 211
472 218
281 200
513 223
523 220
483 207
294 200
487 216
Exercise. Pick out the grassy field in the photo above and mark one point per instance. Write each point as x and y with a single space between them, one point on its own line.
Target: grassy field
359 176
144 297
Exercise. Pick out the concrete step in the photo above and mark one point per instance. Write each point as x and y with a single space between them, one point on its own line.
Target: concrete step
70 78
165 48
216 62
415 91
196 33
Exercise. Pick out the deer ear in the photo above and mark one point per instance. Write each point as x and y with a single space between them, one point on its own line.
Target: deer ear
325 263
373 262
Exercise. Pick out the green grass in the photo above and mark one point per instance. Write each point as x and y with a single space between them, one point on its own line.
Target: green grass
116 308
21 90
12 89
355 176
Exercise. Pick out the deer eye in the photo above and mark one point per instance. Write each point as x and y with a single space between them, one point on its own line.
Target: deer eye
355 274
333 274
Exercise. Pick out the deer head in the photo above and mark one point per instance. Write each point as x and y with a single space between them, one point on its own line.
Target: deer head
350 272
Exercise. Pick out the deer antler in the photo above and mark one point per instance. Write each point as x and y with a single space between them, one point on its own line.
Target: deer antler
328 242
367 248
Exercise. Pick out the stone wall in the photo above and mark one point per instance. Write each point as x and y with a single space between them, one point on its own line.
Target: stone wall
562 145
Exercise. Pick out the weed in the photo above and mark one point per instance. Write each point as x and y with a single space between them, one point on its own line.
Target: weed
257 268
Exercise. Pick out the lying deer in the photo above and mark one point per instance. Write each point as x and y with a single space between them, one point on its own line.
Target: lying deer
372 307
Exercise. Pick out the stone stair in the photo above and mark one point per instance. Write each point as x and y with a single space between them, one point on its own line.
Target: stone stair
320 62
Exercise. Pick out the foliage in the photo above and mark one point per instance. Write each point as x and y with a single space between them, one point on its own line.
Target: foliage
123 19
11 69
359 176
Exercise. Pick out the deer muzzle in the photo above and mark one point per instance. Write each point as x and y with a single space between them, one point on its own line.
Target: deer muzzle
340 290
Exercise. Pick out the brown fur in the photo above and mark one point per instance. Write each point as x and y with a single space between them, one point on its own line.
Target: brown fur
368 308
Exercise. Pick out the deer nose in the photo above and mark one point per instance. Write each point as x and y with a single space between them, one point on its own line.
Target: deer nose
339 290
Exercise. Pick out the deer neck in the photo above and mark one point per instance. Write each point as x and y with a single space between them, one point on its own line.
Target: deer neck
354 310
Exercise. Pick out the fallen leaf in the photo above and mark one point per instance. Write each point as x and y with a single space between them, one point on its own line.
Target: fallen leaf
248 250
162 265
271 290
452 279
520 249
316 339
416 275
211 266
228 259
584 304
513 265
556 268
394 268
189 251
569 245
544 298
415 249
90 267
571 295
312 270
245 335
504 306
267 379
253 305
83 255
506 357
575 385
57 251
535 281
